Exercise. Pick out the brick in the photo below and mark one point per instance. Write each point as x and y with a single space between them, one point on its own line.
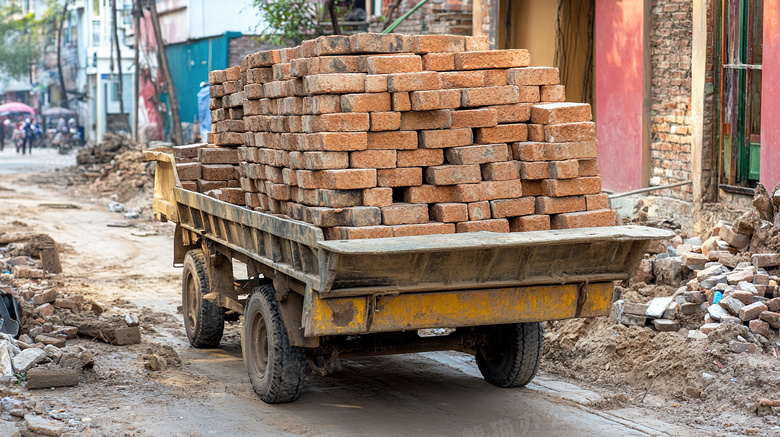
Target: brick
429 194
436 99
230 126
584 219
189 185
479 210
337 141
503 133
552 93
534 170
495 77
479 154
571 187
420 158
564 169
376 83
477 43
761 260
419 120
536 222
187 151
380 196
492 59
759 327
279 192
326 104
462 79
339 122
438 43
532 188
597 201
217 77
265 58
404 82
393 64
557 205
230 87
401 102
252 200
423 229
494 95
529 94
444 138
565 112
380 43
438 61
490 225
357 233
333 65
537 151
260 75
325 160
349 179
512 207
340 83
589 167
385 121
453 174
188 171
488 190
534 76
230 195
206 185
752 311
298 67
404 214
398 140
213 155
366 102
535 132
570 132
449 212
500 171
482 117
372 159
254 91
332 45
218 172
400 177
282 71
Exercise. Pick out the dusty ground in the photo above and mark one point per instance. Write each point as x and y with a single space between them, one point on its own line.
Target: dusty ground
129 270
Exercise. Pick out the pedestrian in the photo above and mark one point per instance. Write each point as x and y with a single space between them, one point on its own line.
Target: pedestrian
27 135
2 134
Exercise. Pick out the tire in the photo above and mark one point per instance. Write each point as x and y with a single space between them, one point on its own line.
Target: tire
276 369
204 321
511 356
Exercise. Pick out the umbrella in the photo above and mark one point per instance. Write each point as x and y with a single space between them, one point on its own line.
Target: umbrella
15 107
57 111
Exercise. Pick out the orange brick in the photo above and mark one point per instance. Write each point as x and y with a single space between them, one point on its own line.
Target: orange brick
492 59
438 43
218 172
557 205
490 225
339 122
568 169
512 207
423 229
462 79
281 71
534 170
404 214
571 187
503 133
189 185
419 120
380 43
401 102
482 117
495 77
529 223
420 158
376 83
597 201
584 219
515 113
479 210
404 82
380 196
400 177
563 112
453 174
534 76
393 64
217 155
569 132
500 171
205 185
536 151
325 160
529 94
488 190
429 194
449 212
188 171
436 99
279 192
326 104
494 95
553 93
337 141
357 233
480 154
438 61
398 140
340 83
532 188
331 45
217 77
372 159
385 121
251 200
589 167
337 198
477 43
366 102
438 139
535 132
349 179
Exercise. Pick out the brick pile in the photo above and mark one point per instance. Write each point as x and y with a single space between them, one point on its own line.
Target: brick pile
372 136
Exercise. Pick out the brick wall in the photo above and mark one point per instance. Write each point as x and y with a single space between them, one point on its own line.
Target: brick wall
709 170
438 17
242 46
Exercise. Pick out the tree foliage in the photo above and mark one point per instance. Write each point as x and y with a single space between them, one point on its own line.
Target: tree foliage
288 20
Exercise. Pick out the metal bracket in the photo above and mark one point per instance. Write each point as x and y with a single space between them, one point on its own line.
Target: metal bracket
582 296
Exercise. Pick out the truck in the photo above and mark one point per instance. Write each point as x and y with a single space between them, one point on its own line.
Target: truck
305 301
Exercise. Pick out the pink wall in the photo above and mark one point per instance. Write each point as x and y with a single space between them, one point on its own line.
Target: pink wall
619 73
770 105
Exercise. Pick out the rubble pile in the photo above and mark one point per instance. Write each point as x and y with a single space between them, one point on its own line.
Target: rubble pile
372 136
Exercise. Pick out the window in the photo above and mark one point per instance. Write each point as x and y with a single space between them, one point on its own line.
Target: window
96 32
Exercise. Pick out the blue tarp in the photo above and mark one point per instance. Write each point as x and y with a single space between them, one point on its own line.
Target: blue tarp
204 113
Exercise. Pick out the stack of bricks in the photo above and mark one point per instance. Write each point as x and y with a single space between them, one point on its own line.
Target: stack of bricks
372 136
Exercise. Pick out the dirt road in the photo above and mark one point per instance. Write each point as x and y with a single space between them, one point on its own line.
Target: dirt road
129 270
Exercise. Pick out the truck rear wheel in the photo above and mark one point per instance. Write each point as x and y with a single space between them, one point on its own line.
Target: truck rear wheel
276 368
204 321
511 356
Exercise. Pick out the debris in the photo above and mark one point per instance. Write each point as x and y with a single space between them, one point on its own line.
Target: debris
6 368
155 363
132 320
739 347
116 207
110 330
28 359
41 377
44 426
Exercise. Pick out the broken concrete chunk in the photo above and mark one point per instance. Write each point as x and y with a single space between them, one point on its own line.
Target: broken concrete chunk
657 306
709 327
772 318
638 309
668 271
132 320
717 312
54 341
54 353
765 259
689 308
731 304
48 296
695 297
44 426
45 310
40 377
665 325
156 363
752 311
739 347
28 358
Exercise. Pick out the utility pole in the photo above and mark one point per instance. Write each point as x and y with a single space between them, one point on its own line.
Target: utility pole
119 64
138 12
178 139
64 98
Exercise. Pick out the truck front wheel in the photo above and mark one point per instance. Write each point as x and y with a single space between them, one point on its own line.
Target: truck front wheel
204 321
276 368
511 354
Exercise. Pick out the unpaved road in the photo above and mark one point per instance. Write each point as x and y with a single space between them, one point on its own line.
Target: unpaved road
129 269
